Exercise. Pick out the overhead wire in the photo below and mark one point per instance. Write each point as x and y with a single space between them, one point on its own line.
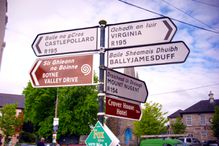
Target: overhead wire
187 14
133 5
184 90
206 3
176 91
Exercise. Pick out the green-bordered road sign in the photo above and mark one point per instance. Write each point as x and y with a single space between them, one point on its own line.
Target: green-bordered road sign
98 137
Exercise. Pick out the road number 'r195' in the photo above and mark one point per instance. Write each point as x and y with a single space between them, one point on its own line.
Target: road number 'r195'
118 43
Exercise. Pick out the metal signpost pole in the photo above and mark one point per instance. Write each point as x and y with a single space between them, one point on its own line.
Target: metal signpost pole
57 102
101 93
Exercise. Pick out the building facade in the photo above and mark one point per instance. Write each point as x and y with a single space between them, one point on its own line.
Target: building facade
3 22
12 99
199 125
197 119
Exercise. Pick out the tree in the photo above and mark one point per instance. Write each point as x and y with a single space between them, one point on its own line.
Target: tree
9 123
77 109
215 122
178 126
39 109
152 121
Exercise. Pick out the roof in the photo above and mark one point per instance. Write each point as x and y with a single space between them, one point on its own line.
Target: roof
203 106
12 99
176 114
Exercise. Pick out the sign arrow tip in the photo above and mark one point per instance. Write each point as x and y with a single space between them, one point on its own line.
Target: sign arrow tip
170 29
37 45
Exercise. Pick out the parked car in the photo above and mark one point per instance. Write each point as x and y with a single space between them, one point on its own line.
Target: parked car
190 141
210 143
161 142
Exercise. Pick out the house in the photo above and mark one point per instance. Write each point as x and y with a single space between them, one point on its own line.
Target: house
12 99
197 118
3 22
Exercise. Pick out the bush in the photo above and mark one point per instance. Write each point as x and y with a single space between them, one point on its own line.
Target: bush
27 137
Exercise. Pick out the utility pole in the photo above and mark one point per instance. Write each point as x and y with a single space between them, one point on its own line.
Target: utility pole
55 120
56 106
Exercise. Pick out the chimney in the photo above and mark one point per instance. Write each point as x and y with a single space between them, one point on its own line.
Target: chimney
211 97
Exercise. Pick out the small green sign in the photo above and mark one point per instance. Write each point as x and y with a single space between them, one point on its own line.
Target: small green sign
98 136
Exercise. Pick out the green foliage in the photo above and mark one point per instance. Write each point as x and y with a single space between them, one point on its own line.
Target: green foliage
39 103
215 122
152 121
8 120
178 126
39 108
77 109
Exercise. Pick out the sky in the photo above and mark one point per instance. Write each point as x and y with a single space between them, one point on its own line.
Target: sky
174 86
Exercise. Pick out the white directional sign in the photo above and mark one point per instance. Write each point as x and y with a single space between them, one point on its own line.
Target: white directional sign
141 32
67 41
125 86
166 53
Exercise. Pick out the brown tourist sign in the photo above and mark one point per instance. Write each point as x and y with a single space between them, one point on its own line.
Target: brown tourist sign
62 71
122 109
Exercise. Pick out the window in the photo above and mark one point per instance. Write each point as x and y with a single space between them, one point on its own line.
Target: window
204 133
189 120
202 119
188 140
128 136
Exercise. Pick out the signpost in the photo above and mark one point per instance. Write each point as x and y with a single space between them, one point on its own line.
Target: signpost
62 71
98 136
130 44
122 109
141 32
67 41
125 86
166 53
